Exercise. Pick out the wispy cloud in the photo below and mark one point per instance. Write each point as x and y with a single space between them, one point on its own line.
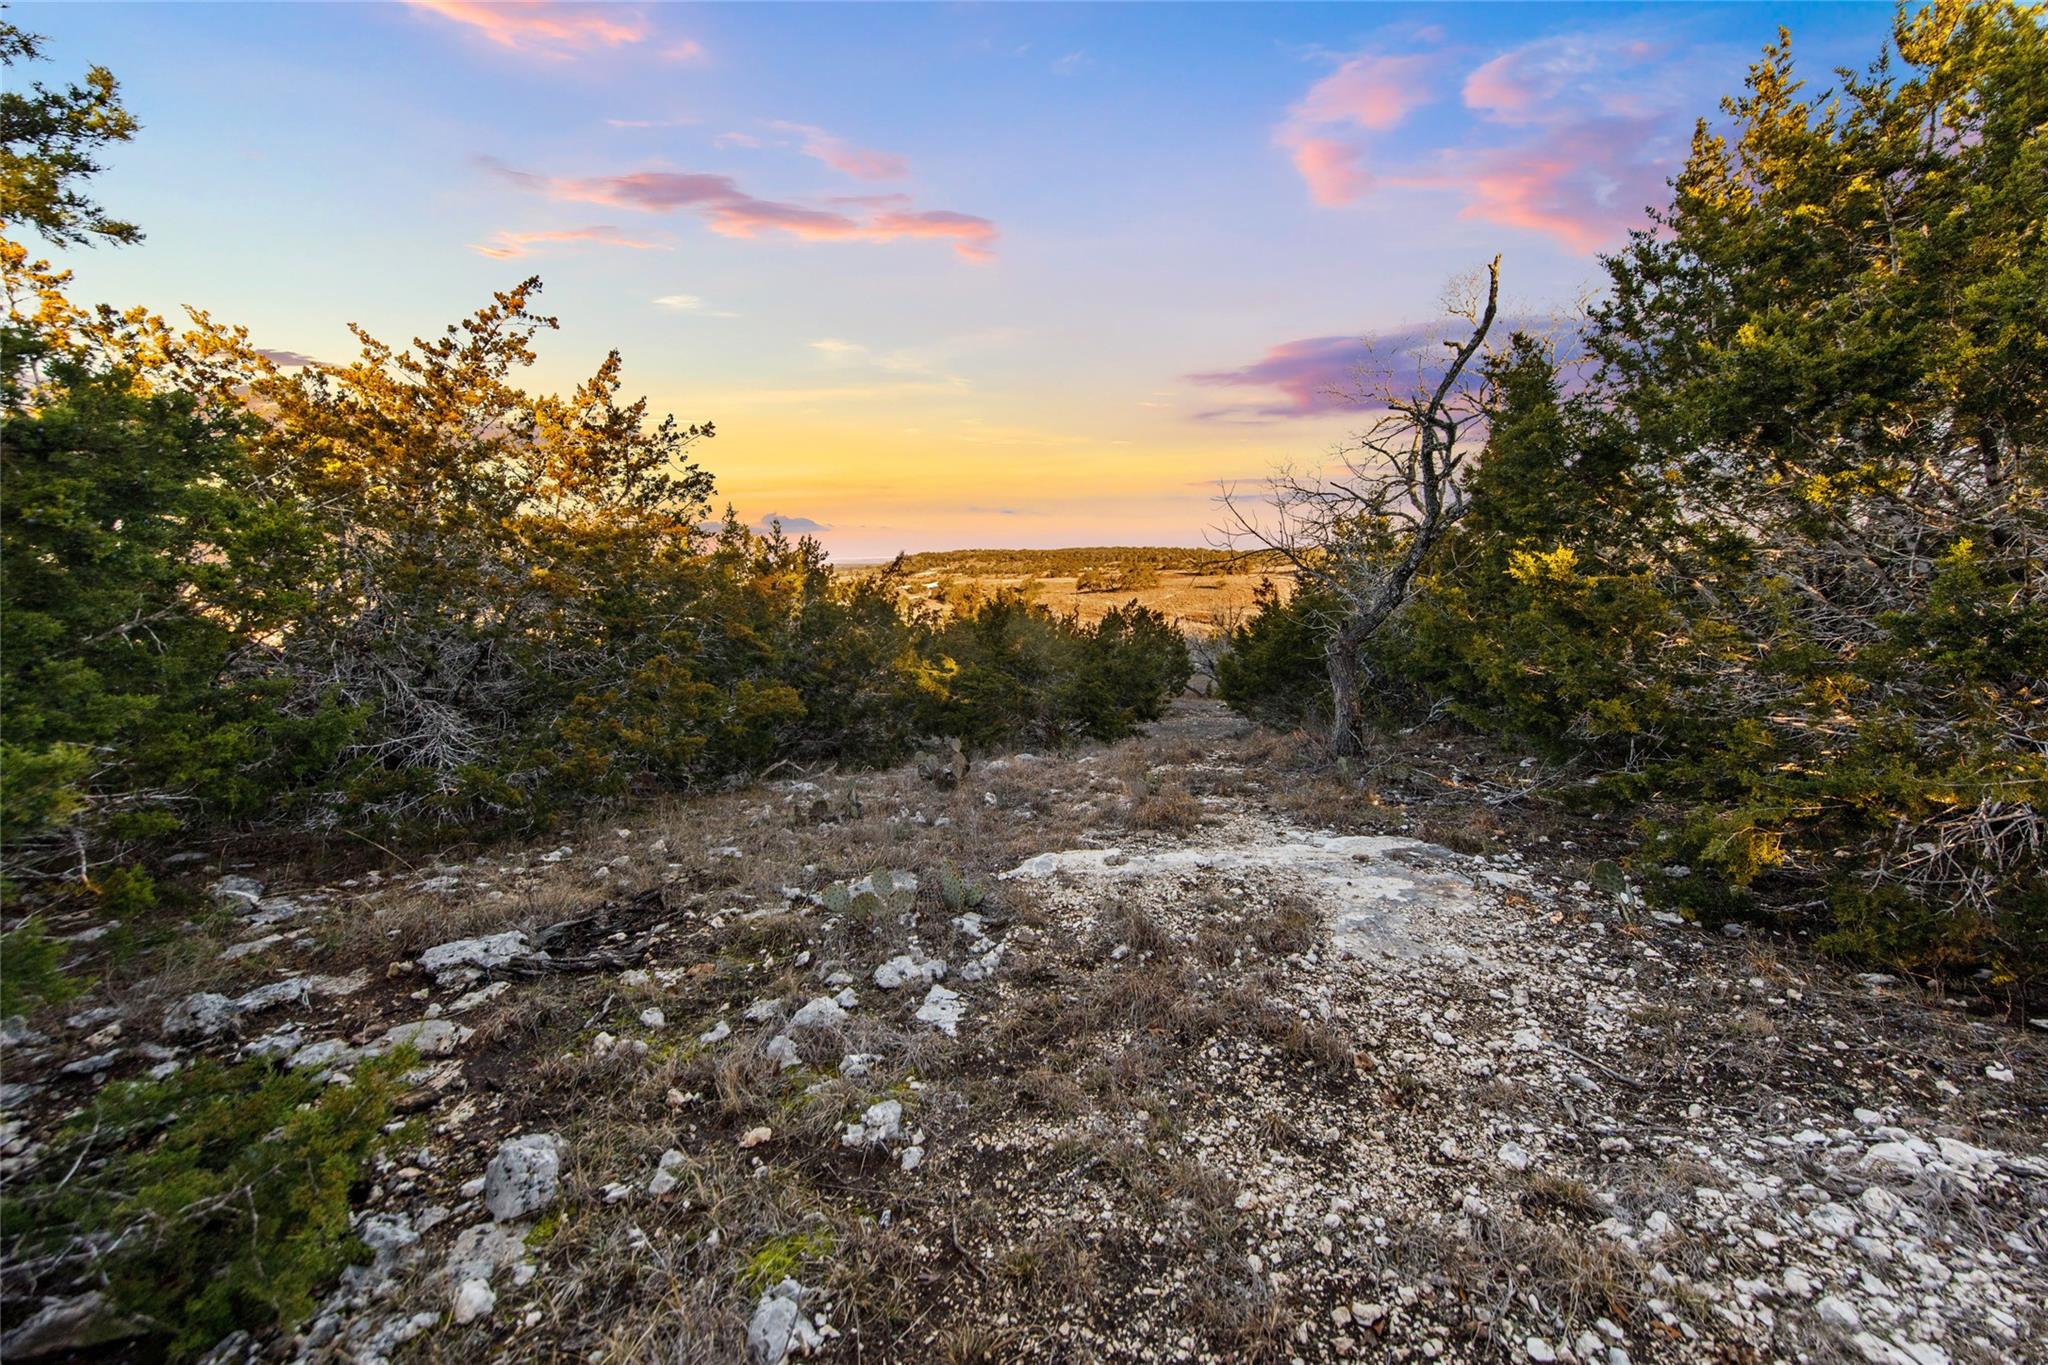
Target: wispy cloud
1334 171
835 393
680 122
510 245
1600 120
842 354
1565 77
1372 90
544 27
1315 376
1312 375
690 303
1576 132
791 525
862 163
1585 184
732 212
1368 92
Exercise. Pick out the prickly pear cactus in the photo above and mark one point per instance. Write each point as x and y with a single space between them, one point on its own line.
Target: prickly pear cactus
956 891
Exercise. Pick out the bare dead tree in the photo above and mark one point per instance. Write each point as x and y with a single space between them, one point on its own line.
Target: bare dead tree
1362 530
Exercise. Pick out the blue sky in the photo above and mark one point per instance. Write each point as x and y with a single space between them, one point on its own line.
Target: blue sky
942 274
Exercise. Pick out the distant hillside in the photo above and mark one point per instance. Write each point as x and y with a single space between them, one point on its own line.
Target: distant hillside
1204 592
1068 563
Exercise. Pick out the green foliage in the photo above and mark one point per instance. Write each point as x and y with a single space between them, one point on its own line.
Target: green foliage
1772 571
1011 671
956 892
222 1194
124 537
782 1258
1273 667
1129 576
50 140
31 970
409 593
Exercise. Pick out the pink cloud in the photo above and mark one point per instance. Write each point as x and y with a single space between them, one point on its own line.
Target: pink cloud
973 238
1371 90
1570 76
509 245
551 29
1585 185
749 217
1605 119
648 191
557 29
732 212
1576 134
1318 375
1331 170
1311 374
1498 89
862 163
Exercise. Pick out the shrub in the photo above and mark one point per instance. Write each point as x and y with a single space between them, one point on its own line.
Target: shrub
1769 567
1272 669
214 1201
1010 670
31 970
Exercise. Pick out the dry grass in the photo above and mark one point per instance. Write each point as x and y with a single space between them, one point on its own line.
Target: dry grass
1202 605
1169 806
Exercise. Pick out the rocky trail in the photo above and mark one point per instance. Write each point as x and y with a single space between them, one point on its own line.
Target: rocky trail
1170 1050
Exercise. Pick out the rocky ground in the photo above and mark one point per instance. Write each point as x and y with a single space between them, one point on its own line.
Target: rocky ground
1173 1050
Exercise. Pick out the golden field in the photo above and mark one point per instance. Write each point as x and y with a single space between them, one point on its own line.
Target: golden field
1204 592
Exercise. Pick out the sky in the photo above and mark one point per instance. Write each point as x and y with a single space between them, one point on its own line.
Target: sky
942 275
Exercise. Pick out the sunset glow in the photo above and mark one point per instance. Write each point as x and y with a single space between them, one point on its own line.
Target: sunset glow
942 276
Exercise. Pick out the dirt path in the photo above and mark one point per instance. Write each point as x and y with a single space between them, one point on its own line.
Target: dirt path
1170 1050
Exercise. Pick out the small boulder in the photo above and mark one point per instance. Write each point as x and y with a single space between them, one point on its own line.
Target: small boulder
880 1123
943 1010
65 1326
204 1015
461 961
473 1299
823 1012
524 1177
240 894
428 1037
780 1325
666 1172
907 970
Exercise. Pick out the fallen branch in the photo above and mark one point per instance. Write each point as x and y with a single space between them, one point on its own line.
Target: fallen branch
1601 1067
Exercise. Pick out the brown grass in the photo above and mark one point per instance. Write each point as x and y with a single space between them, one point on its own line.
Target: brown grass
1203 605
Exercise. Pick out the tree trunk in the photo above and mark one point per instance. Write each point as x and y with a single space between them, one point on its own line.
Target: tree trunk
1340 653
